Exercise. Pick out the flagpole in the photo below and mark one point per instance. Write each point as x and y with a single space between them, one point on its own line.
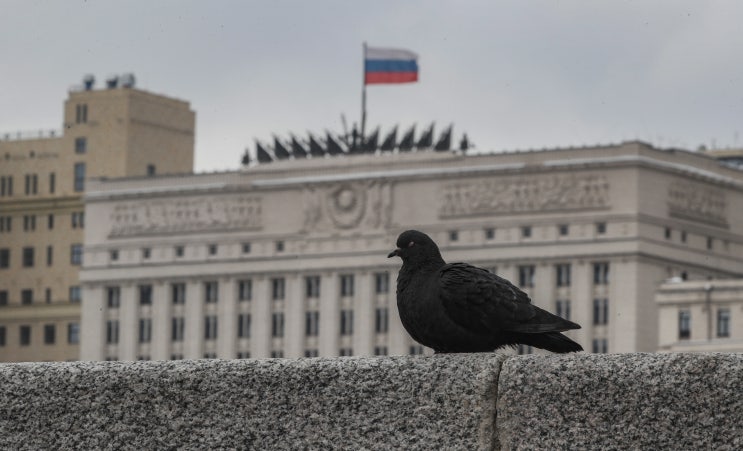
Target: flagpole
363 95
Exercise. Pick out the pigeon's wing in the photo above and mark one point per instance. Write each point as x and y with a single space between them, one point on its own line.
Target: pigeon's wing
483 302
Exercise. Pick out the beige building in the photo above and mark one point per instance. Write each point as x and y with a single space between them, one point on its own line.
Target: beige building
701 316
289 258
113 132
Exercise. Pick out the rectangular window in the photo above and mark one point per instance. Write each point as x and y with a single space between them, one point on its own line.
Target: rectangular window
416 350
382 282
245 290
49 334
563 229
279 246
76 254
382 320
178 325
73 333
723 323
145 295
75 294
212 249
29 223
346 322
600 346
27 296
243 355
380 350
668 233
345 352
178 251
600 311
311 323
25 335
312 286
81 113
277 354
526 276
563 308
211 292
146 252
5 223
28 257
49 255
4 258
78 219
277 288
277 325
151 169
309 353
347 285
684 324
145 330
246 248
113 255
710 243
243 325
210 327
3 297
81 145
526 232
489 233
600 228
50 222
601 273
113 296
453 235
52 182
562 272
48 295
112 331
178 293
79 180
2 335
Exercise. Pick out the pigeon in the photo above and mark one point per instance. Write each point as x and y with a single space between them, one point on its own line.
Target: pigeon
457 307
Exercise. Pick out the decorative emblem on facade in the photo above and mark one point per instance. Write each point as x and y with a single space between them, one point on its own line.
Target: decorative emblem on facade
348 205
515 195
186 215
697 202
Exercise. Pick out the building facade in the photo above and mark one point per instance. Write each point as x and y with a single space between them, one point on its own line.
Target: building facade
289 258
700 316
114 132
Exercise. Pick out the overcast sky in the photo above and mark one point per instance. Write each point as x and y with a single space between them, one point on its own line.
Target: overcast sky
513 75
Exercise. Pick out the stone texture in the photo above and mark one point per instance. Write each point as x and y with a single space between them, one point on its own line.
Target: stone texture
624 401
440 402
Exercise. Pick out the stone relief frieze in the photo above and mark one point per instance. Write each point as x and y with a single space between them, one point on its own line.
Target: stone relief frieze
186 215
347 205
697 202
519 195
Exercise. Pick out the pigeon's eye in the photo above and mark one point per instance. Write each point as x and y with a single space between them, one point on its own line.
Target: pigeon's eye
411 244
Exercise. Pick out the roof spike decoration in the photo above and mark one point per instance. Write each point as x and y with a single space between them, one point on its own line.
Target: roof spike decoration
370 143
408 140
444 142
262 154
316 149
426 139
246 157
334 148
279 150
464 144
390 141
297 149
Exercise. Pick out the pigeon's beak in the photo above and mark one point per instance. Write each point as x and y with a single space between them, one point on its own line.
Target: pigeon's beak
394 253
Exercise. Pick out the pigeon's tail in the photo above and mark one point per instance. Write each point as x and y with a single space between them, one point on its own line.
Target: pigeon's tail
551 341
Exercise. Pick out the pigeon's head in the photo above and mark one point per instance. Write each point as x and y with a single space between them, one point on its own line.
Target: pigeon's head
415 247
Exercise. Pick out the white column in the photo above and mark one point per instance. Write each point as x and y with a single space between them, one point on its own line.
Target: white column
193 346
581 303
227 319
260 339
129 322
330 314
398 340
161 321
544 287
364 314
93 323
294 314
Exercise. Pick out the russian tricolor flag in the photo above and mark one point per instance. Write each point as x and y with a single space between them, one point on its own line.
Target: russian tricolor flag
382 65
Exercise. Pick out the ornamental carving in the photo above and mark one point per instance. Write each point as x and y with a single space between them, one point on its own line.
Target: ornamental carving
347 205
186 215
518 195
697 202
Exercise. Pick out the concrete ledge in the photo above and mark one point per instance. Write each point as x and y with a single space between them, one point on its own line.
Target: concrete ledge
622 401
354 403
635 401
